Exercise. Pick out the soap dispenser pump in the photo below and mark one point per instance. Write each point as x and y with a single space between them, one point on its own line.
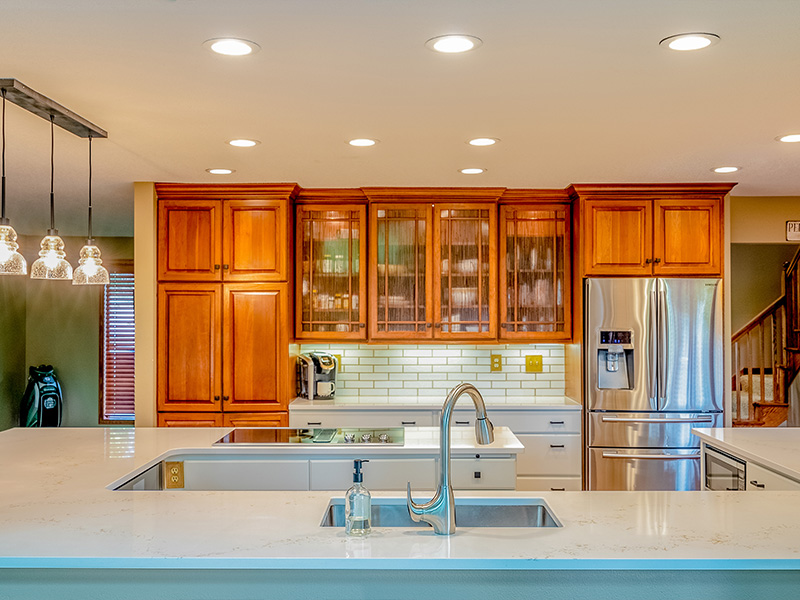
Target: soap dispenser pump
358 504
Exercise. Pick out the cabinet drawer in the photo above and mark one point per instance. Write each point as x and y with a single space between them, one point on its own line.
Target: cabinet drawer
362 418
548 484
528 421
550 455
757 476
379 474
483 473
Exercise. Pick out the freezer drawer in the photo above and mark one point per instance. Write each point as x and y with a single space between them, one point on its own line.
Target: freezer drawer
644 470
653 430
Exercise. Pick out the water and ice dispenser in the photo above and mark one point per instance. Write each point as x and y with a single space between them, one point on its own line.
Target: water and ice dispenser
615 360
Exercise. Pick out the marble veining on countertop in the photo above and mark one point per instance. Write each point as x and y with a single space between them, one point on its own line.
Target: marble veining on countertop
57 512
777 448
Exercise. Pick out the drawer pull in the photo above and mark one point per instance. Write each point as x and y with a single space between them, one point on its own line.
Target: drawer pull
313 422
462 422
556 422
556 445
408 422
558 489
760 486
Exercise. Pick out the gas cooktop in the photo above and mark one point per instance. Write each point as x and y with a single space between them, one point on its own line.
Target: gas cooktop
281 435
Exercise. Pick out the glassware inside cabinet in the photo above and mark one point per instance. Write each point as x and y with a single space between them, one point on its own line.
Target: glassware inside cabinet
330 262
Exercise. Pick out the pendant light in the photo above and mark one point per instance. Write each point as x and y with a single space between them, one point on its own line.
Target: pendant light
52 262
90 270
11 261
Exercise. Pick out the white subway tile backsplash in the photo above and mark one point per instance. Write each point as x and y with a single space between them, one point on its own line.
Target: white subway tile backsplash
408 374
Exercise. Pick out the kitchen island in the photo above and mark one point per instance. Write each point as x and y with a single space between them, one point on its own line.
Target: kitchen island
65 534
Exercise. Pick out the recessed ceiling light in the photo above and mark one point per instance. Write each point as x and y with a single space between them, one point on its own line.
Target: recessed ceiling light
362 142
242 143
790 138
453 44
483 142
232 46
220 171
689 41
725 169
472 171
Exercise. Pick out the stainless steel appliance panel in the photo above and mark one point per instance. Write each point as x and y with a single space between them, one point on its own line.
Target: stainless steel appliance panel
621 304
644 470
690 340
723 472
648 430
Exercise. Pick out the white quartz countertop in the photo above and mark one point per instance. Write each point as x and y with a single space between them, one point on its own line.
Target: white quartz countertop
399 403
777 448
57 511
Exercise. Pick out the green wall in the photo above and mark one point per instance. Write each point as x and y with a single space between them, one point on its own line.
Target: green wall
55 323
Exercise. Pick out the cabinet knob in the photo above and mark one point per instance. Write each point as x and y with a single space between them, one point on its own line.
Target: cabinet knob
225 267
216 267
226 398
216 398
438 325
362 325
428 325
656 260
647 261
503 325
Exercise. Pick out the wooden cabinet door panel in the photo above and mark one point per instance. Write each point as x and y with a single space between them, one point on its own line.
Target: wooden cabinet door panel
189 240
278 419
256 240
687 237
465 271
400 275
256 341
190 420
189 347
618 237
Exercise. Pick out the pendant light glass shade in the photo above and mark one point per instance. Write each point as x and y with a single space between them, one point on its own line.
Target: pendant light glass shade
11 261
52 262
90 269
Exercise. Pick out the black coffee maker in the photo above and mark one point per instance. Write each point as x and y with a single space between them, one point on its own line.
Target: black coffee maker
316 376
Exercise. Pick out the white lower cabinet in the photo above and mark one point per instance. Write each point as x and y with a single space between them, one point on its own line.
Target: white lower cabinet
379 474
526 483
245 475
484 473
760 479
362 418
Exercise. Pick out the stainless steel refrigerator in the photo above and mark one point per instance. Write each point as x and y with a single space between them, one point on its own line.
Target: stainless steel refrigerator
653 371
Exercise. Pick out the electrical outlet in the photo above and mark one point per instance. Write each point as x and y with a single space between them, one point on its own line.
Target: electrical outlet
533 363
339 365
497 362
173 475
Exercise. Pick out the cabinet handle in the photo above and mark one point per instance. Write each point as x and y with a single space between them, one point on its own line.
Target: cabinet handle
216 267
558 489
362 325
556 422
647 261
428 325
313 422
556 445
462 422
216 398
408 422
226 398
656 260
760 486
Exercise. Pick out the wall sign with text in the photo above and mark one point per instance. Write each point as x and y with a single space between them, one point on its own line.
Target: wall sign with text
793 231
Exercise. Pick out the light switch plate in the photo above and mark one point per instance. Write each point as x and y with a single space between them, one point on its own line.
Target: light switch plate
339 365
497 362
533 363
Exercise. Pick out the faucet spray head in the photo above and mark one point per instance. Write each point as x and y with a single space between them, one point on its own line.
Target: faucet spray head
484 431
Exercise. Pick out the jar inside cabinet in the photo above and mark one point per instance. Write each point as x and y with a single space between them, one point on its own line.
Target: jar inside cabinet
400 276
331 289
465 258
535 275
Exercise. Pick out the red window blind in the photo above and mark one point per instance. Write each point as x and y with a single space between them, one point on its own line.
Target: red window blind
116 402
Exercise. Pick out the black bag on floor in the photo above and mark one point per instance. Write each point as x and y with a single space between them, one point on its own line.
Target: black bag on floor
42 402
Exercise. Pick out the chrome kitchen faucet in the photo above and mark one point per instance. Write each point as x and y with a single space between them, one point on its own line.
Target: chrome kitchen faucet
440 511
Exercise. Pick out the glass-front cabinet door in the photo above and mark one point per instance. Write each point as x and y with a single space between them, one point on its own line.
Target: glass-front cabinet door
400 271
331 288
535 273
465 278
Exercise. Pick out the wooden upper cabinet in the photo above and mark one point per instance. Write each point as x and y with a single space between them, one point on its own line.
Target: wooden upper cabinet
618 237
535 272
465 271
255 240
190 240
330 280
256 340
400 271
687 237
189 347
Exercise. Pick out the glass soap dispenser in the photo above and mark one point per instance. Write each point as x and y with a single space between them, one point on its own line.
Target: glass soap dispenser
358 504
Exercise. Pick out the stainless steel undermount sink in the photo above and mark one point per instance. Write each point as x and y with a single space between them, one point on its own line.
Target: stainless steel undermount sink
470 512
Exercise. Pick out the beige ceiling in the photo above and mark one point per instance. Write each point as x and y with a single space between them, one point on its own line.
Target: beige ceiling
577 90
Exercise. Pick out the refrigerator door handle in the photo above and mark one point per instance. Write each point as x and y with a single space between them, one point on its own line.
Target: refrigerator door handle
652 355
704 419
652 456
662 348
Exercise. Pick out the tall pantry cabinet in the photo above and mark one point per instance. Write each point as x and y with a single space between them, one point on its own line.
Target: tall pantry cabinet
224 305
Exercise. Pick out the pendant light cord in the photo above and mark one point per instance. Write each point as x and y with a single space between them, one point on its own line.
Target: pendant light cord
3 160
52 230
90 189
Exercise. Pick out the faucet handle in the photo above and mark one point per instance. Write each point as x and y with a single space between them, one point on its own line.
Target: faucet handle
414 509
